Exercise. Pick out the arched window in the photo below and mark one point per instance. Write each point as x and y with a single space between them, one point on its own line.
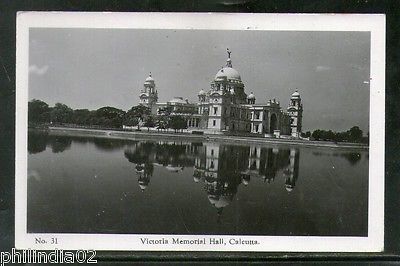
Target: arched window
273 123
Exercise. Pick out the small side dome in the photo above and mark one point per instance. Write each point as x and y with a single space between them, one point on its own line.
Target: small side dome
202 92
251 96
149 79
296 94
177 100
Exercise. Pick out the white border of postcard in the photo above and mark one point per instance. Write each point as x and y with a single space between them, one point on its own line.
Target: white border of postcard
375 24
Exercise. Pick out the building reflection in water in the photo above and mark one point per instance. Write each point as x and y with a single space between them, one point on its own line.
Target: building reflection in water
221 168
141 154
291 173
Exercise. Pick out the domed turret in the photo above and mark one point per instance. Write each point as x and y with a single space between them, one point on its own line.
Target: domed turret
148 94
149 79
295 95
202 95
295 111
202 92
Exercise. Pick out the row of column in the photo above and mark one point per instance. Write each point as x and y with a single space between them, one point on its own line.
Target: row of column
193 122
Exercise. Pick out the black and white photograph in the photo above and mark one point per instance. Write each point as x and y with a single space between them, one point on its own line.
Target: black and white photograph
201 132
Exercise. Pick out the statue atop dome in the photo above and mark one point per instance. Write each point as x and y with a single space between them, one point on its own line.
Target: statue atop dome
228 72
228 61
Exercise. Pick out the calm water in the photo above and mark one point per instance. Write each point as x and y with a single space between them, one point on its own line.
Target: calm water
93 185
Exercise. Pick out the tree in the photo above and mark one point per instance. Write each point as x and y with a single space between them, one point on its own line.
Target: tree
177 122
162 122
316 134
38 111
355 134
136 115
81 116
341 136
366 138
61 113
149 122
329 135
306 134
109 117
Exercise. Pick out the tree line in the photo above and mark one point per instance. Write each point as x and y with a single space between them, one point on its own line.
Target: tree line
40 113
354 134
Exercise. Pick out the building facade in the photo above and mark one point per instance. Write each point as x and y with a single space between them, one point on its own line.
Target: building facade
226 108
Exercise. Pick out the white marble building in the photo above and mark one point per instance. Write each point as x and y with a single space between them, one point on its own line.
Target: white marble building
226 107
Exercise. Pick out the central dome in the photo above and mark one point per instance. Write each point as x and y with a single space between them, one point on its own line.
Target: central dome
229 73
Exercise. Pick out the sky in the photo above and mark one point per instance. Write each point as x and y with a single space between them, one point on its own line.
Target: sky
92 68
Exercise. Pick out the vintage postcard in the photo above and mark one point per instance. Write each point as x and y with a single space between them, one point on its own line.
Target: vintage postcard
200 132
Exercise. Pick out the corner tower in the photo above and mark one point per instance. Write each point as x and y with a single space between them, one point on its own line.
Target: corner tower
148 94
295 111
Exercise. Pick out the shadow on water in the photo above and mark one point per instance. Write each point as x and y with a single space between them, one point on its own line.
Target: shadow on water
38 141
105 144
351 157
